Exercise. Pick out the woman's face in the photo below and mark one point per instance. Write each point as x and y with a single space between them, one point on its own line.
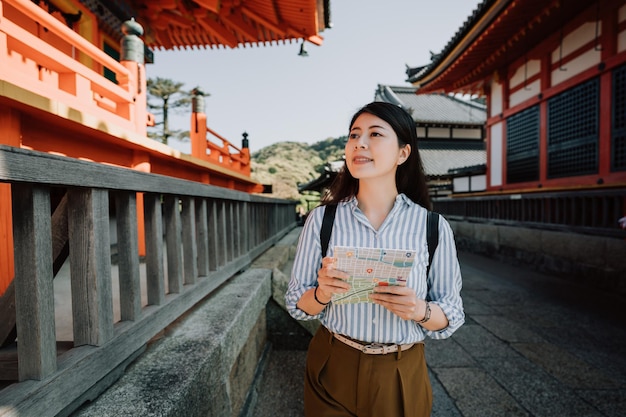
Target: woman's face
372 150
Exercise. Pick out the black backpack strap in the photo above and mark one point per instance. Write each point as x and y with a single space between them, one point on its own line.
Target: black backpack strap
432 237
327 226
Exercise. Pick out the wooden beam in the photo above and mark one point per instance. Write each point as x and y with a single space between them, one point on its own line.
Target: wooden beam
211 5
236 22
219 31
279 29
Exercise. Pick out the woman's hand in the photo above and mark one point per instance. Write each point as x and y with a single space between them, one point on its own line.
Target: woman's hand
400 300
330 280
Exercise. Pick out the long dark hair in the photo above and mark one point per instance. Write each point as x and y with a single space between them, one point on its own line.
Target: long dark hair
410 177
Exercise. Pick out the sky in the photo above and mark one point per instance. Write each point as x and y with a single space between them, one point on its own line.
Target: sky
275 95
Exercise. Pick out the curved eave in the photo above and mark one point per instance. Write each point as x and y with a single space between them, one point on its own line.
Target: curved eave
170 24
499 33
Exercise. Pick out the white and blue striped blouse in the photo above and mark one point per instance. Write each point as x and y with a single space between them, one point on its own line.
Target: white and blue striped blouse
404 228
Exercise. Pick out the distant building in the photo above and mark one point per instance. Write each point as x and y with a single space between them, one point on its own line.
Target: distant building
452 137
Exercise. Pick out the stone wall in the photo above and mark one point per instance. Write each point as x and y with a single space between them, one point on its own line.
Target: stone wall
208 362
586 259
203 364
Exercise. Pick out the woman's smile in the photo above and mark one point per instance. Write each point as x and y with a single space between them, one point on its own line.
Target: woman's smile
361 160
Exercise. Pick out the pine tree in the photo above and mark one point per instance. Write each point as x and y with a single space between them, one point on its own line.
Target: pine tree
165 95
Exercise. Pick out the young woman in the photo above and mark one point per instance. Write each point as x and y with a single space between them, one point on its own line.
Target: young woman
367 358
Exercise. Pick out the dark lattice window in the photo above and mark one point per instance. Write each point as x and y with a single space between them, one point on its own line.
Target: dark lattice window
618 128
573 131
522 146
113 53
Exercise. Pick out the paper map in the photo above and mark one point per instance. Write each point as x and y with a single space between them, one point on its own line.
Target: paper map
369 267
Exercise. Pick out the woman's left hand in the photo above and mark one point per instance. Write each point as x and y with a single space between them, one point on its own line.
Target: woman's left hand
400 300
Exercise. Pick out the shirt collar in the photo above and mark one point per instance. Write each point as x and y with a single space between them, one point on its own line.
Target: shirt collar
401 198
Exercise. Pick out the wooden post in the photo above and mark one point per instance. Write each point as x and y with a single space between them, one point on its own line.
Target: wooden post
198 131
128 256
90 266
34 291
245 155
154 249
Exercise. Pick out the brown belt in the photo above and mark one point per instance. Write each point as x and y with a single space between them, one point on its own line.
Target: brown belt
372 348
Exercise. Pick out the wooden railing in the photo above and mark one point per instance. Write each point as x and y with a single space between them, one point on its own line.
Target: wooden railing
197 236
227 154
589 212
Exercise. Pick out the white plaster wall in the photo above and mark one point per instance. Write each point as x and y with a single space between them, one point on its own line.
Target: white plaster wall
460 185
436 132
466 133
479 182
577 38
571 42
524 72
583 62
495 154
495 99
531 90
421 132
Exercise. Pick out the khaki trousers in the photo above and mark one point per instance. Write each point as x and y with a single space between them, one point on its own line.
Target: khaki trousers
342 381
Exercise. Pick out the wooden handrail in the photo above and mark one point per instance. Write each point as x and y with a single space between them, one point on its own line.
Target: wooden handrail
593 212
211 233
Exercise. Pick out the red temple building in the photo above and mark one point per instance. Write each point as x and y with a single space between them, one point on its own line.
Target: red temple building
73 82
554 76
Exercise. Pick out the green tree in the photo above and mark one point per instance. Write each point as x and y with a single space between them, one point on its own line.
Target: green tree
165 95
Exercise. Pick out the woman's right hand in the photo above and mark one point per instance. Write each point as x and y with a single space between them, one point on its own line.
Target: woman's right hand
330 280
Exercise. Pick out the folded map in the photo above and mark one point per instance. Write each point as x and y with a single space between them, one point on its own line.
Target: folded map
371 267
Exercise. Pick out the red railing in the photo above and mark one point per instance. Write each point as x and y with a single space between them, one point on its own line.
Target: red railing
47 66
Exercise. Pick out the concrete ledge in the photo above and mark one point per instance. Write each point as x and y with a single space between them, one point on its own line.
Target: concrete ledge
573 256
204 363
280 260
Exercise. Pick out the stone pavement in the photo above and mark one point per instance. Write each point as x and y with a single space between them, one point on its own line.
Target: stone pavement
532 345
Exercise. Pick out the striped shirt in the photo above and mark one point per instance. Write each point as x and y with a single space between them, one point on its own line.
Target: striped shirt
404 228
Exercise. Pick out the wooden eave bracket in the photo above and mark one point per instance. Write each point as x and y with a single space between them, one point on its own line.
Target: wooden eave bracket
236 22
210 5
279 29
219 31
316 40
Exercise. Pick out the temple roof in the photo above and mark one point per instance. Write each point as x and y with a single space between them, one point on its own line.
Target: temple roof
498 32
434 108
441 157
174 24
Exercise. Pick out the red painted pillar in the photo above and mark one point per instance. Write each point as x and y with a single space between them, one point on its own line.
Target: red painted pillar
11 133
197 132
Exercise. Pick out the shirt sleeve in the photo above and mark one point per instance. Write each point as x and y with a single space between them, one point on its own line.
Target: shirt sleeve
445 282
307 262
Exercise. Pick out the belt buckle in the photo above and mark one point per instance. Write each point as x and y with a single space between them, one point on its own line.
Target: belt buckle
373 346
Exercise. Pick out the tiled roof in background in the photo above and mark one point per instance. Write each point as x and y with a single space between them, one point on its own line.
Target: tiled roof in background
433 108
439 157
